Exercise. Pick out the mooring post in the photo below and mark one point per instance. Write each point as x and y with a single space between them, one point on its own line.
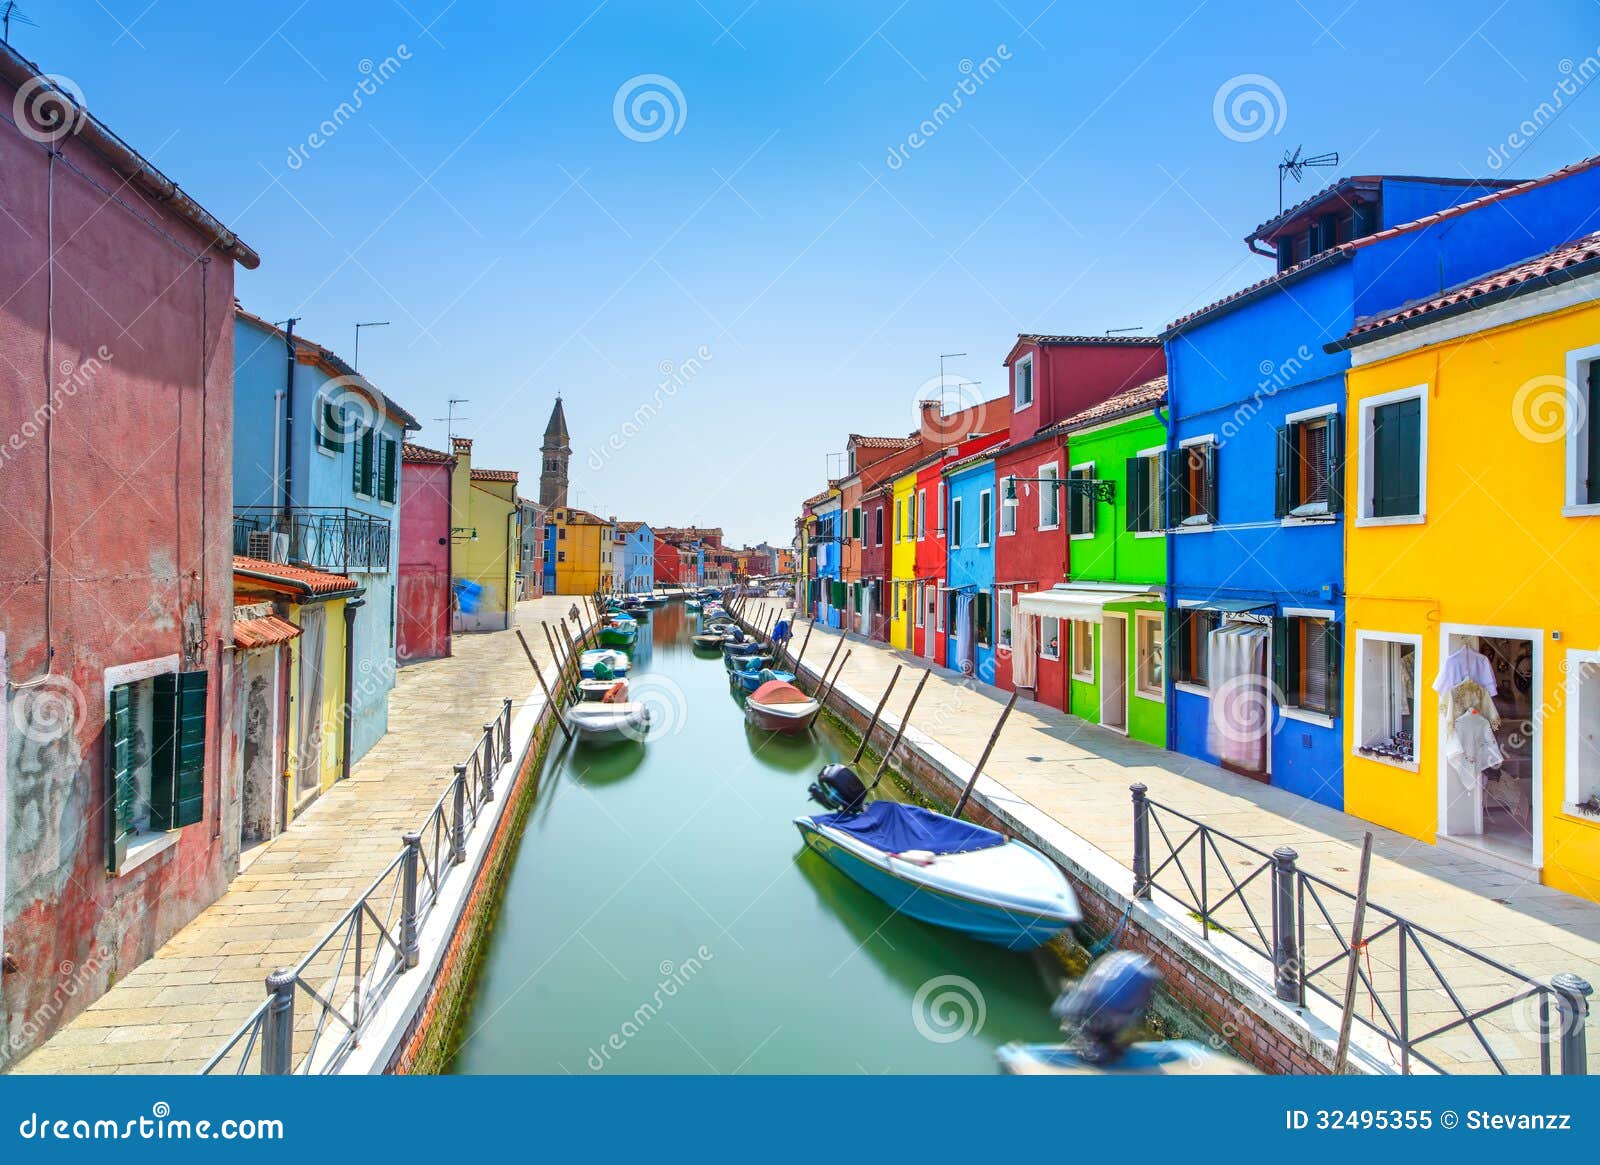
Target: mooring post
277 1025
977 771
1572 1000
905 718
458 809
876 712
409 949
1285 954
804 643
549 697
822 679
555 656
833 683
1141 841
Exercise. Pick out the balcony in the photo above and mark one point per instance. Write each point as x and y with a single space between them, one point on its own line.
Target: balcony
327 538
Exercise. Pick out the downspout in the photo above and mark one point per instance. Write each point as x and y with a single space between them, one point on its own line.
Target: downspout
1168 549
351 607
287 499
513 539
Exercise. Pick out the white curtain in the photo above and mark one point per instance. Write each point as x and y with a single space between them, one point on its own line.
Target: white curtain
1024 651
1241 697
965 655
308 741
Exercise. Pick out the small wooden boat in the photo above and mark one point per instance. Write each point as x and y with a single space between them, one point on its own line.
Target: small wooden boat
692 604
778 706
615 663
619 630
947 872
602 722
653 600
592 690
707 641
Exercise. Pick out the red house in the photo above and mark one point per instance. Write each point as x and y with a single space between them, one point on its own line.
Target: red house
422 589
120 785
1051 379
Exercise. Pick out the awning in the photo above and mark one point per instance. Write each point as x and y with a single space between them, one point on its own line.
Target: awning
1076 603
1226 606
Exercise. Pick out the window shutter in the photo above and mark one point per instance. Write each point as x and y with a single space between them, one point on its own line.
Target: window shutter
1177 626
1138 495
389 459
1591 426
1333 637
1285 254
1172 486
119 776
1328 231
1211 482
358 463
1366 219
1283 491
178 760
1335 464
328 425
1280 659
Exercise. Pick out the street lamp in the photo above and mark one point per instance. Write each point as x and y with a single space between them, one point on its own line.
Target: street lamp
1096 488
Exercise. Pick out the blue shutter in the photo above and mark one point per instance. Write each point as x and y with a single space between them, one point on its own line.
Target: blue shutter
1283 489
178 759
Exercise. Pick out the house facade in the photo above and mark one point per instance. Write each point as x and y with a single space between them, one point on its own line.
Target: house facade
583 545
873 591
486 541
423 599
828 596
638 557
968 595
903 558
530 566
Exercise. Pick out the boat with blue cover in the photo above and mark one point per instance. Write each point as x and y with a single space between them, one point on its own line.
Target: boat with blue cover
602 663
946 872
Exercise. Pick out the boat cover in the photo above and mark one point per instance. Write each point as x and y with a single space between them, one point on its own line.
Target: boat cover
894 828
779 692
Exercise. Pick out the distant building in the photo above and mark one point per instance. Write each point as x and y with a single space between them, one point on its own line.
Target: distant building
638 572
583 544
486 542
424 602
530 572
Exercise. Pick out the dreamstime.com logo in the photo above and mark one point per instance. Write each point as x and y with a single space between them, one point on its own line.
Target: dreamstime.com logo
344 412
948 1008
674 978
160 1125
648 107
1249 107
48 108
957 416
1548 408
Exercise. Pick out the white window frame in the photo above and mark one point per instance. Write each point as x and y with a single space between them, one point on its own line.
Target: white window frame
1044 650
1578 361
1017 404
919 600
319 407
943 514
1078 674
1357 713
1140 618
1004 609
1093 516
985 510
1005 510
153 843
877 527
1575 662
953 535
922 512
1294 711
1051 469
1159 497
1364 461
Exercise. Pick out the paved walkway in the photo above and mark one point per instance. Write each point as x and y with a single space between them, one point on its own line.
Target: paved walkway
174 1011
1079 774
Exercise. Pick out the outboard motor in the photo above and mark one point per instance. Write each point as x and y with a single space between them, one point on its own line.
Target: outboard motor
837 787
1107 1006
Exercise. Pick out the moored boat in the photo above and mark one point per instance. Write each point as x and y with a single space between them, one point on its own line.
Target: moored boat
602 663
602 722
778 706
591 690
707 641
692 604
619 630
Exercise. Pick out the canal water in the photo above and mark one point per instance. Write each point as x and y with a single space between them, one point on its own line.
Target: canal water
663 915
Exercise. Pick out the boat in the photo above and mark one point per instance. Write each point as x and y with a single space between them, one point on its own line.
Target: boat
619 630
944 871
603 722
692 604
653 600
778 706
707 641
591 690
590 663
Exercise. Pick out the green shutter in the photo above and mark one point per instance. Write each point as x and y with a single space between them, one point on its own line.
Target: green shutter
358 463
178 760
1280 660
1138 496
1078 513
1592 427
119 775
855 523
1397 456
1333 634
328 425
1283 492
387 482
1172 484
1336 464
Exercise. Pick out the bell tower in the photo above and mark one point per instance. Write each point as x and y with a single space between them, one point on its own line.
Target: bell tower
556 452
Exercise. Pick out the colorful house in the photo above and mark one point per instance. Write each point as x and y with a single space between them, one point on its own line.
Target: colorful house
907 522
484 529
583 544
1100 638
638 557
1255 464
828 598
969 575
877 531
1472 677
265 659
530 565
117 601
424 606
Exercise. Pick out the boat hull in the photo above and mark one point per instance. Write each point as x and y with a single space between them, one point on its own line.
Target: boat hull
609 723
778 717
612 637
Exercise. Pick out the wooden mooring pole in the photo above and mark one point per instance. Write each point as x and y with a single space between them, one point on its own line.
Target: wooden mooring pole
966 794
822 680
804 643
876 712
905 719
1353 972
558 656
549 699
835 681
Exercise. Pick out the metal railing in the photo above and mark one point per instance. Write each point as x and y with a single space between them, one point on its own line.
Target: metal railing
324 537
349 973
1432 1000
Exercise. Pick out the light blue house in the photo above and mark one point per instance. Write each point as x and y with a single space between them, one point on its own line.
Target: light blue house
638 573
1255 466
316 482
827 552
969 575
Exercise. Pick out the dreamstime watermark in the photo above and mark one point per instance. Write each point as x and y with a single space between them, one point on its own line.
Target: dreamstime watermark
72 980
1575 77
674 378
1248 107
1547 409
160 1125
665 704
648 107
346 409
78 376
48 710
1275 376
1241 712
948 1008
674 978
973 78
373 77
48 108
957 414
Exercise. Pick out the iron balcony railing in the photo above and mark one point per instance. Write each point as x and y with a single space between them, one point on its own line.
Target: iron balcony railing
316 1012
330 538
1436 1004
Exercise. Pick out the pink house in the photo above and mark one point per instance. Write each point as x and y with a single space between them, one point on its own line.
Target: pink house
422 596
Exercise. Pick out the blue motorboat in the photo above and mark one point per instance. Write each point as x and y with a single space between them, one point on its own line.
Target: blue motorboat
947 872
603 663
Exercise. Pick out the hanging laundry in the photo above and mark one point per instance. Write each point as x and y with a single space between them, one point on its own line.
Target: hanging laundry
1472 748
1466 664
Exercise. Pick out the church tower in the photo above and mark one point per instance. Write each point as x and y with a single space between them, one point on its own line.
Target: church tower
557 451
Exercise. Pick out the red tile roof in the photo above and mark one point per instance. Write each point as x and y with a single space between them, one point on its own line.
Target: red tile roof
1137 399
1033 338
987 453
266 631
861 442
1551 267
421 453
819 498
1368 182
314 582
494 475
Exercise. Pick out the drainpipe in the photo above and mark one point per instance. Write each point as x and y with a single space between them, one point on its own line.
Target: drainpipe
1168 547
351 607
288 418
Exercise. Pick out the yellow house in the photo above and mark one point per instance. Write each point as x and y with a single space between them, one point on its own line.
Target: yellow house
486 542
903 560
586 552
1473 570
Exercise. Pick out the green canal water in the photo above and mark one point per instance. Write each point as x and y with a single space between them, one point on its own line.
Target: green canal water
663 915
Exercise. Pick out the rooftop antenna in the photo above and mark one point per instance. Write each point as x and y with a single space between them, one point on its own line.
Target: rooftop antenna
9 12
1294 166
450 417
1123 331
356 362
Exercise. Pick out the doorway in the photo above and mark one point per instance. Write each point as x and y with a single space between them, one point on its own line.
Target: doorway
930 621
1114 672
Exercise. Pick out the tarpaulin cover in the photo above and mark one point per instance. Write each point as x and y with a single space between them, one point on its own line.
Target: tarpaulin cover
779 692
895 828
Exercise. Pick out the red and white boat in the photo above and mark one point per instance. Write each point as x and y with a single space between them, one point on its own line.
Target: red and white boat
778 706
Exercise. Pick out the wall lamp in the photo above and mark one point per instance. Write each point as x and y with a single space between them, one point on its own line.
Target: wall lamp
1096 488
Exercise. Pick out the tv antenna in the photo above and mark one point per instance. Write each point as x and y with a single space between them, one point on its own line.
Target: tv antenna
450 418
1123 331
9 12
1294 166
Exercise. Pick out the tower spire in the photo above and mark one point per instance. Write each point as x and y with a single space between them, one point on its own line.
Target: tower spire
556 453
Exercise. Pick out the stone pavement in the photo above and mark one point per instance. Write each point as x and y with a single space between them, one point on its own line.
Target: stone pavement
175 1011
1079 774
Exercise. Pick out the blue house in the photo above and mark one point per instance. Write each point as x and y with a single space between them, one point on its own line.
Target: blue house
1254 479
316 482
550 558
638 573
970 529
827 551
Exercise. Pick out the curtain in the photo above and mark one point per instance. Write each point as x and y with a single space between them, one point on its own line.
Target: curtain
965 653
1024 652
1241 697
308 738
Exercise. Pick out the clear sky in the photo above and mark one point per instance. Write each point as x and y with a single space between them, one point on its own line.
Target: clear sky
787 232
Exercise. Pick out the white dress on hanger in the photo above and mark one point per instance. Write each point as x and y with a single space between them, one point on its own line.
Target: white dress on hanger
1472 748
1466 664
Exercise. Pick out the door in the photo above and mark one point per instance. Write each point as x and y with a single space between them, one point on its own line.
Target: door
930 622
1114 672
258 820
308 712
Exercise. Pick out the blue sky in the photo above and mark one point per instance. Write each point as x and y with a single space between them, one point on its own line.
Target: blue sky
486 200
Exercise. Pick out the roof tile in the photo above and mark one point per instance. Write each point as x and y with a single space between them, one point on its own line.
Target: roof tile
315 582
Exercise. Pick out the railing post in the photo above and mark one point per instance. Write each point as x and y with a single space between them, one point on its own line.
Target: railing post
458 826
1285 941
277 1027
505 731
1141 841
408 900
489 762
1572 999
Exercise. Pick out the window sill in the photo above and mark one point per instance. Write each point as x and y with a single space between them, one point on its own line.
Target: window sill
327 452
1291 520
1048 528
1149 533
1191 689
1152 697
1402 519
1197 528
1304 717
1586 510
1080 537
1083 677
1572 813
146 851
1407 766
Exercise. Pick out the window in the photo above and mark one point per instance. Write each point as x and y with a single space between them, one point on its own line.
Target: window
855 523
983 619
1080 503
955 523
330 425
1583 731
940 532
877 526
561 532
1082 650
1191 645
1392 456
1583 427
922 505
1150 673
1192 484
388 447
1388 691
1049 638
985 517
1008 514
921 599
1049 497
363 470
1023 375
156 744
1003 619
1306 654
1144 493
1310 467
561 556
